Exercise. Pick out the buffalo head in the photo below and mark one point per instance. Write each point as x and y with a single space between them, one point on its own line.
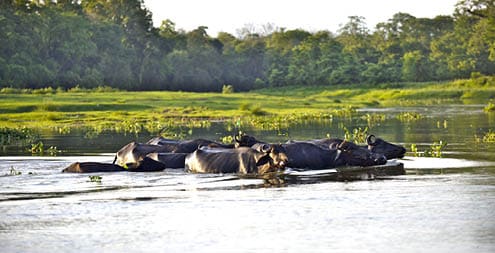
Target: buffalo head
272 157
389 150
353 155
245 140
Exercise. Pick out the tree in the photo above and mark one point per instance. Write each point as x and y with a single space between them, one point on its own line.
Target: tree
482 41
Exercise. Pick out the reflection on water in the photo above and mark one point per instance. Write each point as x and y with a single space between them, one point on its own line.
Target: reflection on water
440 205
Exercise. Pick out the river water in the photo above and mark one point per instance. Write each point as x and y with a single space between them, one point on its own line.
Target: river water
441 205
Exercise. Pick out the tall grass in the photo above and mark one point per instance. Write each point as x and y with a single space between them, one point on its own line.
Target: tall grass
111 109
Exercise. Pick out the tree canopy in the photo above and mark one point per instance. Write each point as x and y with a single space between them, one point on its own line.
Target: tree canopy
92 43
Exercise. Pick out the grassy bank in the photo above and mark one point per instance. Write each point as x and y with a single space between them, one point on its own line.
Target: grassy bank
107 109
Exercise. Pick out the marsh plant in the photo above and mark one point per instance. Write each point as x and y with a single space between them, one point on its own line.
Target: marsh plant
14 172
39 149
488 137
10 135
95 179
374 119
434 150
409 116
346 112
357 135
490 107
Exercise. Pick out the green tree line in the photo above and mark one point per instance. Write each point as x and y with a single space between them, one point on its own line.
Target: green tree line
92 43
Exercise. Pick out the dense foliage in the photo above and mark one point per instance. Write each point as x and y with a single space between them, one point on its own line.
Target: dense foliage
92 43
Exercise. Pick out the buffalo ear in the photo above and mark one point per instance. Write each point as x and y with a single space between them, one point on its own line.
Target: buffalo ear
343 146
371 140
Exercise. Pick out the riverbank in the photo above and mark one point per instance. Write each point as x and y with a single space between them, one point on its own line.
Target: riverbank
154 111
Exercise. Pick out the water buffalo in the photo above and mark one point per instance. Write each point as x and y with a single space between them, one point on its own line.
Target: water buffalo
187 146
144 165
375 145
135 152
311 156
242 160
171 160
320 155
92 167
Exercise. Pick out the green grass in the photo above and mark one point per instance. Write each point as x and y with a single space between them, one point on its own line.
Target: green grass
113 110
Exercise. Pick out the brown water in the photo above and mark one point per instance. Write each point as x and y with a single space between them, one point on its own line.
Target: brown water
442 205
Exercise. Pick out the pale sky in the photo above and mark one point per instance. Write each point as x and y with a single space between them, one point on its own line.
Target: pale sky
310 15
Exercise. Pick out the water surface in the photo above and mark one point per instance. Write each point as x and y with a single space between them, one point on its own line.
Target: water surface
442 204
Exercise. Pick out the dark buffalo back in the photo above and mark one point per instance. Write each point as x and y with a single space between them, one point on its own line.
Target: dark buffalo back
134 152
171 160
309 156
242 160
144 165
324 155
186 146
92 167
357 155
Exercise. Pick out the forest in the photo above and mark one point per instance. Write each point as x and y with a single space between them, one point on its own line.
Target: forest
114 43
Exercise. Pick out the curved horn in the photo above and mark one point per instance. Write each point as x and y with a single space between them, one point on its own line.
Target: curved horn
266 148
371 139
236 138
342 145
333 145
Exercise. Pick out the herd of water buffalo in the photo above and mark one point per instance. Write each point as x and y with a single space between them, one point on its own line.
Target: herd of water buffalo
247 155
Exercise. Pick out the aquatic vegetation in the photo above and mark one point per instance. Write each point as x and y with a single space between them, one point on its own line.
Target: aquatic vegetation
39 149
95 179
374 119
490 107
345 112
227 139
358 135
14 172
105 109
10 135
434 150
409 116
488 137
443 124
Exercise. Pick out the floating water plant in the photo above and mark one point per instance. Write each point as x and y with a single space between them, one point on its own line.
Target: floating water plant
409 116
39 149
357 135
488 137
374 119
435 150
14 172
490 107
95 179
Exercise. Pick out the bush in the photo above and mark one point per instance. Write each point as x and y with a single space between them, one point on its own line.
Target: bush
490 107
227 89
